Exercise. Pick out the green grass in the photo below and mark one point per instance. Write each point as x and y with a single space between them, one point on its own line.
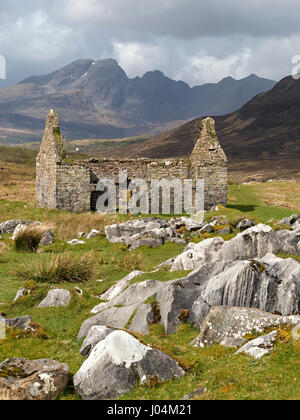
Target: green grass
225 376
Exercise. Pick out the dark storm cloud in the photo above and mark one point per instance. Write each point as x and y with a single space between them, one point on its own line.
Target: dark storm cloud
195 40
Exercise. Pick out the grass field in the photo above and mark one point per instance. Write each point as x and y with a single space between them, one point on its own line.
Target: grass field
225 376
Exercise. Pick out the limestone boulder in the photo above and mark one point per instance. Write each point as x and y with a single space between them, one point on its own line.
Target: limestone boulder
255 242
95 335
118 232
47 238
22 379
290 220
188 223
142 320
228 326
195 255
120 286
135 294
113 317
143 232
10 225
289 241
270 284
259 347
20 322
56 298
117 363
152 239
177 297
245 224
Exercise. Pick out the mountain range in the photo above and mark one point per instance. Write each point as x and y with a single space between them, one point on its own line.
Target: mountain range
96 99
263 136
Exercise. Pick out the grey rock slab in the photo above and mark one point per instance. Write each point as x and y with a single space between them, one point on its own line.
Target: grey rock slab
56 298
117 363
134 295
118 232
179 295
151 239
142 320
245 224
255 242
259 347
95 335
289 241
289 220
20 322
196 254
47 238
228 326
10 225
115 317
120 286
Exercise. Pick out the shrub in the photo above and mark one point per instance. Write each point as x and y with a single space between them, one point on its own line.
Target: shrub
28 240
59 268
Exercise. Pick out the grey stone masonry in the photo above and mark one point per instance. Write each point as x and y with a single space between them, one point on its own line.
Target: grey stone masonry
71 186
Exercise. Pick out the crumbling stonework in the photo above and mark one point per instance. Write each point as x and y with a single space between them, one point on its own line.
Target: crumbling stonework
71 186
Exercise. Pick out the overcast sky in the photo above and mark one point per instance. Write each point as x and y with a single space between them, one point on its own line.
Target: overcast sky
192 40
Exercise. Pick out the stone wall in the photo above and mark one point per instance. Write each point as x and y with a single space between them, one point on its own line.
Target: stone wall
72 186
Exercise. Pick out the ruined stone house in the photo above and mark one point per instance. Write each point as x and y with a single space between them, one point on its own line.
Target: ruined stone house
71 186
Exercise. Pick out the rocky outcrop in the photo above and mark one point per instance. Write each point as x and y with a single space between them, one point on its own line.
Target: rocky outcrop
270 284
22 379
143 232
117 312
255 242
56 298
117 363
228 326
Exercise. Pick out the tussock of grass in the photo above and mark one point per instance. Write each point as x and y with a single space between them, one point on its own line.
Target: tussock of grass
59 269
28 240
